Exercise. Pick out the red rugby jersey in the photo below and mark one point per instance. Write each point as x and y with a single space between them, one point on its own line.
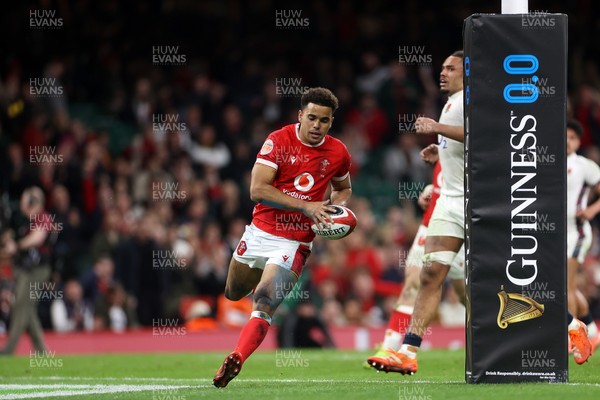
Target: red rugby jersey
303 172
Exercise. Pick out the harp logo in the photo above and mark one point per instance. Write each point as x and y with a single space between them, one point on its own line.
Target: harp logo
515 308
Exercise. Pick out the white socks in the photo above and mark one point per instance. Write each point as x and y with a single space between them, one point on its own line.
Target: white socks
592 329
404 350
261 315
391 340
574 324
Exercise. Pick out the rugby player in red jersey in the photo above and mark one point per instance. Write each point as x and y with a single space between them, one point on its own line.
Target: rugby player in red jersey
294 169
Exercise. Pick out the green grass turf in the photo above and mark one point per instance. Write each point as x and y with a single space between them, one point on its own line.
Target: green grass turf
293 374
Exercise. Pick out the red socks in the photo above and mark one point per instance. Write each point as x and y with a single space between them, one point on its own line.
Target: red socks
253 334
399 321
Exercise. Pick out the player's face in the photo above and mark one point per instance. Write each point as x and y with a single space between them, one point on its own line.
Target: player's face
573 141
315 121
451 77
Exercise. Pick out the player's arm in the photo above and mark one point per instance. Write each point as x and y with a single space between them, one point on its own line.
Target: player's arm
593 209
430 154
425 197
428 126
263 191
341 191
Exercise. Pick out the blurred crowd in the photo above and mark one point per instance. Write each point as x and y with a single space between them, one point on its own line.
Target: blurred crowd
150 214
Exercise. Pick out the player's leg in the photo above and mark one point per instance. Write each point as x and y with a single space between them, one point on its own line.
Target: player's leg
444 240
457 275
412 283
582 347
275 284
439 253
459 287
284 262
406 302
433 273
578 245
241 280
586 317
572 301
246 265
400 317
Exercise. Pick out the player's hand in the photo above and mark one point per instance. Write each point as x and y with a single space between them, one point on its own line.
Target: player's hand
425 197
430 154
587 214
425 126
319 211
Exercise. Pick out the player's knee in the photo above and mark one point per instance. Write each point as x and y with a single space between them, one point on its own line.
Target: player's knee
229 295
429 276
435 267
233 293
264 301
440 257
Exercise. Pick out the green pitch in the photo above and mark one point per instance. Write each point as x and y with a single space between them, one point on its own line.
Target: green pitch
289 374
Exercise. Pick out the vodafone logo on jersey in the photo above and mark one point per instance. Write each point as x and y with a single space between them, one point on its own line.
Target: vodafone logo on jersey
304 182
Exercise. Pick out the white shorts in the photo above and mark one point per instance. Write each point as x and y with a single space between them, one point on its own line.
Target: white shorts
258 248
448 218
417 251
579 241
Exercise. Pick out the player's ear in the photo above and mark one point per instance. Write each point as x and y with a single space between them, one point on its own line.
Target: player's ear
299 115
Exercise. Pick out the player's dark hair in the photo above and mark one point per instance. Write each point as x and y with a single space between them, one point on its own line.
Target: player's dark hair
458 53
320 96
576 126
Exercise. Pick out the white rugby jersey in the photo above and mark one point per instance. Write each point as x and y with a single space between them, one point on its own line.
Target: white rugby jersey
452 152
582 174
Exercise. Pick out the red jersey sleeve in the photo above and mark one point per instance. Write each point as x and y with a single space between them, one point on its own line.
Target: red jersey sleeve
344 170
435 194
267 154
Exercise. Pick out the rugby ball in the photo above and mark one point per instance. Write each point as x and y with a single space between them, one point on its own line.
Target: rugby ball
343 223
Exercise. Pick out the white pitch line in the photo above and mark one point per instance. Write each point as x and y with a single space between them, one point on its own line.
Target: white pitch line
17 386
249 380
78 390
263 380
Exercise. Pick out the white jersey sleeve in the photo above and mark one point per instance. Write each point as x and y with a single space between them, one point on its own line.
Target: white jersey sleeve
592 173
452 152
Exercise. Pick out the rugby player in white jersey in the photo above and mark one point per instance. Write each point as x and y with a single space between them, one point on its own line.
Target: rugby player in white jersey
400 317
445 234
582 174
